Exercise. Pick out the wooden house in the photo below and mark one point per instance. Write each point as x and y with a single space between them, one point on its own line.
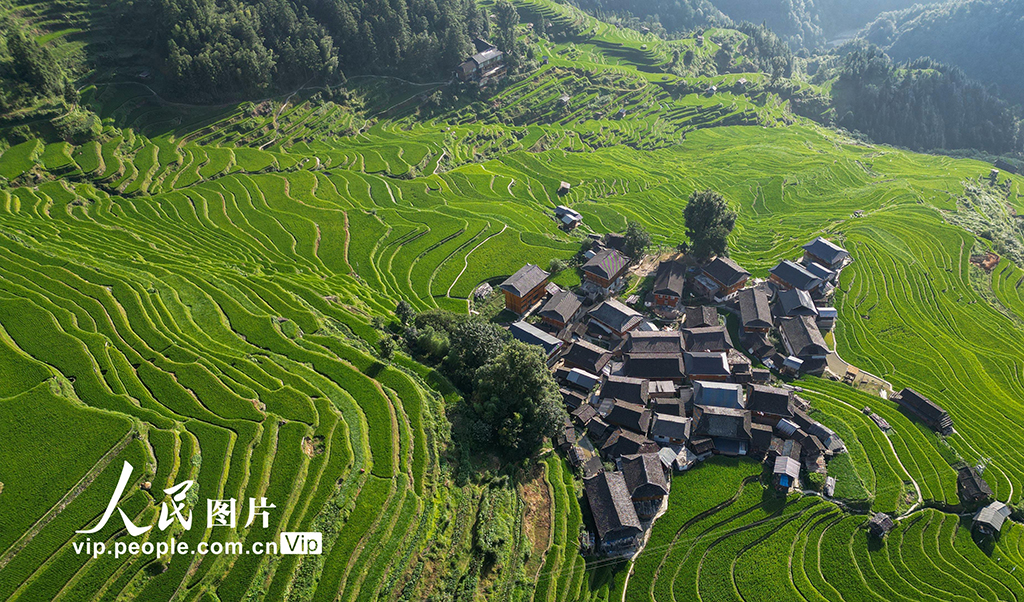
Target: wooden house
989 520
755 315
769 405
605 268
618 527
668 284
669 429
880 524
614 318
524 288
646 482
655 366
707 365
825 252
925 410
971 487
708 338
721 279
788 274
700 316
586 356
785 473
561 309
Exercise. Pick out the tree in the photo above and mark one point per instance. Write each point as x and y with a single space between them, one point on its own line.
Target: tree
387 348
708 224
404 311
473 344
518 398
506 19
556 265
636 240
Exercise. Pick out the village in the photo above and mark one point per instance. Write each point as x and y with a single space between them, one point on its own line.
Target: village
657 383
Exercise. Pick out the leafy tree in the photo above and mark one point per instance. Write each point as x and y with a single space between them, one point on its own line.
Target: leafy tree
387 347
506 20
636 240
556 265
474 343
404 311
518 398
708 224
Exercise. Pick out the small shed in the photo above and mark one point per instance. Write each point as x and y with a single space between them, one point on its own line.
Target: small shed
989 520
880 525
563 188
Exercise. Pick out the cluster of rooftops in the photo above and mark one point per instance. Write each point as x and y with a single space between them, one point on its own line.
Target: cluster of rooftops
651 400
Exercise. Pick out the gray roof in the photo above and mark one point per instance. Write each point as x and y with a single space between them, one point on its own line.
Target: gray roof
795 275
706 363
633 390
482 57
820 271
525 280
632 416
803 336
725 271
754 311
795 302
644 475
825 249
606 264
659 341
726 423
719 395
701 315
993 515
528 333
707 338
670 426
769 400
588 356
616 316
611 505
561 306
670 279
656 366
623 442
787 466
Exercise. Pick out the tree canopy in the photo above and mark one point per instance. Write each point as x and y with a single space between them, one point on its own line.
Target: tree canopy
708 223
517 399
636 240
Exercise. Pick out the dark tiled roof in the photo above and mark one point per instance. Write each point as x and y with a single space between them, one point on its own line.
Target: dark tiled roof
803 335
623 443
754 311
971 486
670 426
573 399
616 316
769 400
632 390
611 505
561 306
654 366
528 333
598 430
525 280
825 249
482 57
644 475
587 356
632 416
726 423
795 302
700 316
880 524
921 405
820 271
706 363
670 279
795 275
719 395
584 414
661 341
615 240
708 338
726 272
606 264
760 437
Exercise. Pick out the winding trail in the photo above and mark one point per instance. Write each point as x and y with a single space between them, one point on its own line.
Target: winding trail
465 261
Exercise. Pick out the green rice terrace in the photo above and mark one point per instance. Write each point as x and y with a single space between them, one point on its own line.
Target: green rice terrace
195 293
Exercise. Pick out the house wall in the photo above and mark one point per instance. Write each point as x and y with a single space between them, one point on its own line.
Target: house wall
666 300
716 378
782 284
521 304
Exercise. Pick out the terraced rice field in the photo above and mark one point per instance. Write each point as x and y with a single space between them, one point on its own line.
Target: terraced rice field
194 294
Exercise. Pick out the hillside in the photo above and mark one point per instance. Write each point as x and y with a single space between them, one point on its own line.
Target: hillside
202 291
979 36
